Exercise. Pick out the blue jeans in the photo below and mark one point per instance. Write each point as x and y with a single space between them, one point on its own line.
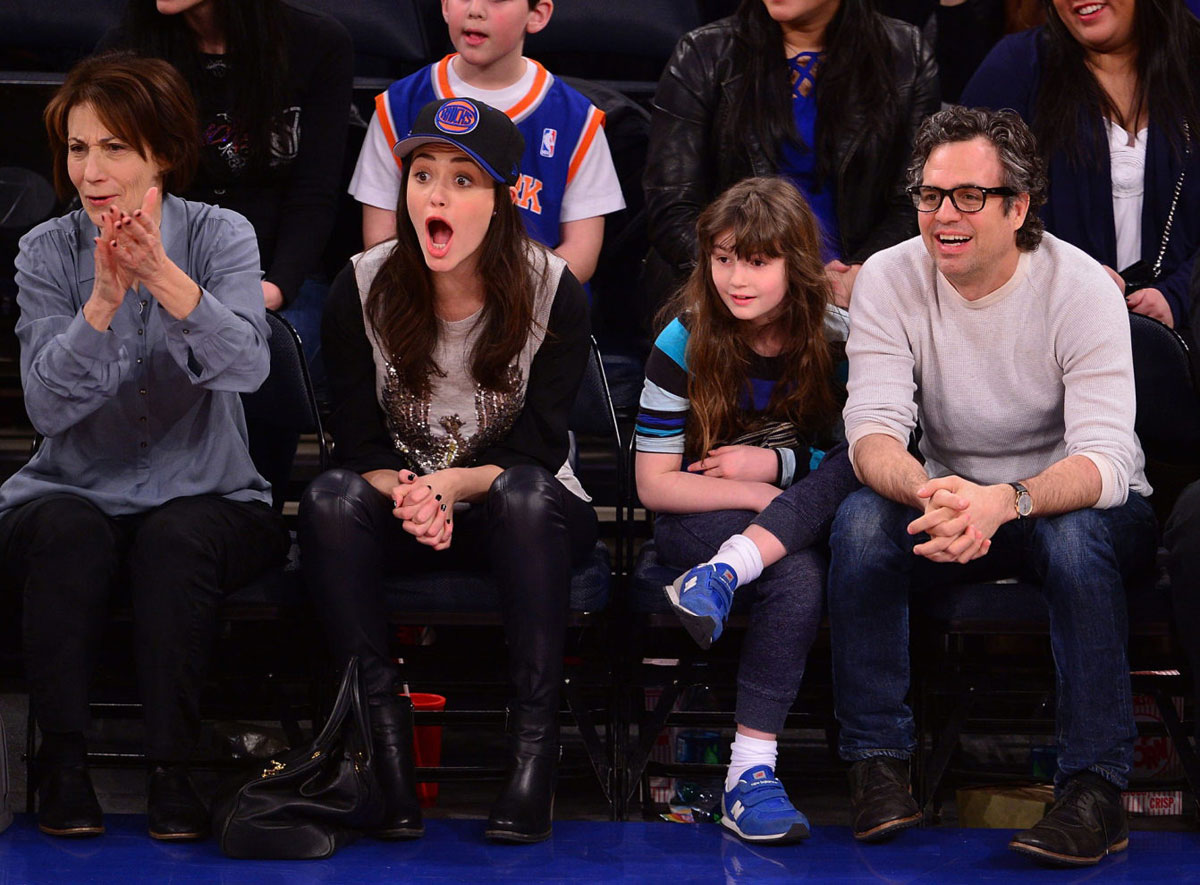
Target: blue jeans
1081 560
305 313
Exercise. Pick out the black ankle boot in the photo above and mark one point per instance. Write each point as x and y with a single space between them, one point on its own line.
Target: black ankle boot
173 810
525 809
392 733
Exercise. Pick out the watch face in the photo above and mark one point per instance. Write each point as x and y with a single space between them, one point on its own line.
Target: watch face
1024 504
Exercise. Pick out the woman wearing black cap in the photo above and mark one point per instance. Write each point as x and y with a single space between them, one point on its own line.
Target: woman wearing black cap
454 353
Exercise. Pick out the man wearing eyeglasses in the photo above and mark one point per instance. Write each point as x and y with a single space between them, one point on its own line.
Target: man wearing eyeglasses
1011 350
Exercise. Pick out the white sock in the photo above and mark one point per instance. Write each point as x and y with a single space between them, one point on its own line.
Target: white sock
740 554
746 752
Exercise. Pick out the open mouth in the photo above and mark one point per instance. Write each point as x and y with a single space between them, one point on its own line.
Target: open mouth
953 239
1089 10
473 38
437 237
741 300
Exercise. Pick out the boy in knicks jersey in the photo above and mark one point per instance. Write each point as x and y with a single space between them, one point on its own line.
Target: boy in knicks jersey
568 182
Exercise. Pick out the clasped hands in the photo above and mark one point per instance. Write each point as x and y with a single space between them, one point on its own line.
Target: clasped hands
425 506
129 249
960 518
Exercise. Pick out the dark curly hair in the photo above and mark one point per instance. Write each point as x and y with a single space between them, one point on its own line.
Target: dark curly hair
1024 168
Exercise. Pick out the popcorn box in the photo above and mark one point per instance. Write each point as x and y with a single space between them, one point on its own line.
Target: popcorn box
1154 803
1005 807
1154 756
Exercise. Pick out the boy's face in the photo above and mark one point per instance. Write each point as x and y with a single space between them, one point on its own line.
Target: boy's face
487 31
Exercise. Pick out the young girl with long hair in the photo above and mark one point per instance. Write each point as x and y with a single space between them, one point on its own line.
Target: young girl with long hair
736 454
454 354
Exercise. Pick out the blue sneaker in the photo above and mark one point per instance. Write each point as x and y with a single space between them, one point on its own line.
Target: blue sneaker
757 809
702 598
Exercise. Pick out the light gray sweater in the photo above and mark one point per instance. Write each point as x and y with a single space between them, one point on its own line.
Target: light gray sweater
1004 386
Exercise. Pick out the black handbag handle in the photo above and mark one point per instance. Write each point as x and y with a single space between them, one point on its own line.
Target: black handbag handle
348 703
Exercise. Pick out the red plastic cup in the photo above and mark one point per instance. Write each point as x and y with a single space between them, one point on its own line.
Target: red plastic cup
427 744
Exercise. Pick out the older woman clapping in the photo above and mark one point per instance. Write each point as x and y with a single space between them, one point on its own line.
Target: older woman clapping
141 321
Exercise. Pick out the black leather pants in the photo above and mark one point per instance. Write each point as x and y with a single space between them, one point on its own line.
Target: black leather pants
527 534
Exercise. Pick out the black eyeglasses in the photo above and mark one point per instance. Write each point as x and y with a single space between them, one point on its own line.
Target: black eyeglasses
967 198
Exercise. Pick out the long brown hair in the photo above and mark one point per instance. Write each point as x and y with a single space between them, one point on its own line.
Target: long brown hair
756 217
400 304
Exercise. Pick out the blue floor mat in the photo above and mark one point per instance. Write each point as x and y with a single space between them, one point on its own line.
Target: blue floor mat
584 851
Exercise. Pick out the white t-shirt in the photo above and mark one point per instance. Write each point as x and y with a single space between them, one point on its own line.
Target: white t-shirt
594 189
1128 163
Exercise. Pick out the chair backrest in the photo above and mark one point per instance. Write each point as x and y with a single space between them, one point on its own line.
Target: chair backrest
284 407
392 38
621 40
592 415
57 34
1168 409
592 412
617 299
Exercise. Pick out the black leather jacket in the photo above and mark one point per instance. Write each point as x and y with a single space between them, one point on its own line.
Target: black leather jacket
694 155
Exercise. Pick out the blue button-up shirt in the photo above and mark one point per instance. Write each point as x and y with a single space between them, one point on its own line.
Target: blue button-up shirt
148 410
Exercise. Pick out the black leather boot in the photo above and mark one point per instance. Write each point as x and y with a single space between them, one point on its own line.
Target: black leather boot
525 809
1085 824
174 812
392 733
881 798
534 603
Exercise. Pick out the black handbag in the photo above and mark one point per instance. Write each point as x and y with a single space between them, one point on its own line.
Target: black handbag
313 800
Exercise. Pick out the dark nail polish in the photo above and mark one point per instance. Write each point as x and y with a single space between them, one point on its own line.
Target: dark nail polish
443 506
437 497
411 477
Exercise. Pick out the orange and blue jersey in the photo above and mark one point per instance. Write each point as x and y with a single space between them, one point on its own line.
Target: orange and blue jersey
558 123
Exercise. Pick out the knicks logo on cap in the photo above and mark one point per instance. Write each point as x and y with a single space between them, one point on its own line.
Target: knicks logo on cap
457 117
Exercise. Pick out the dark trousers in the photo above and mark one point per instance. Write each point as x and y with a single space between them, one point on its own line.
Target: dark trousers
70 560
1081 560
527 534
1182 540
787 598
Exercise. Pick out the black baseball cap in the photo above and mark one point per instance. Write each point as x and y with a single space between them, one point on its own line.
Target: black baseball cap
485 134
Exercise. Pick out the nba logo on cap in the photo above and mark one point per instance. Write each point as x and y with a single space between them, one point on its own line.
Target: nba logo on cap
457 117
549 136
